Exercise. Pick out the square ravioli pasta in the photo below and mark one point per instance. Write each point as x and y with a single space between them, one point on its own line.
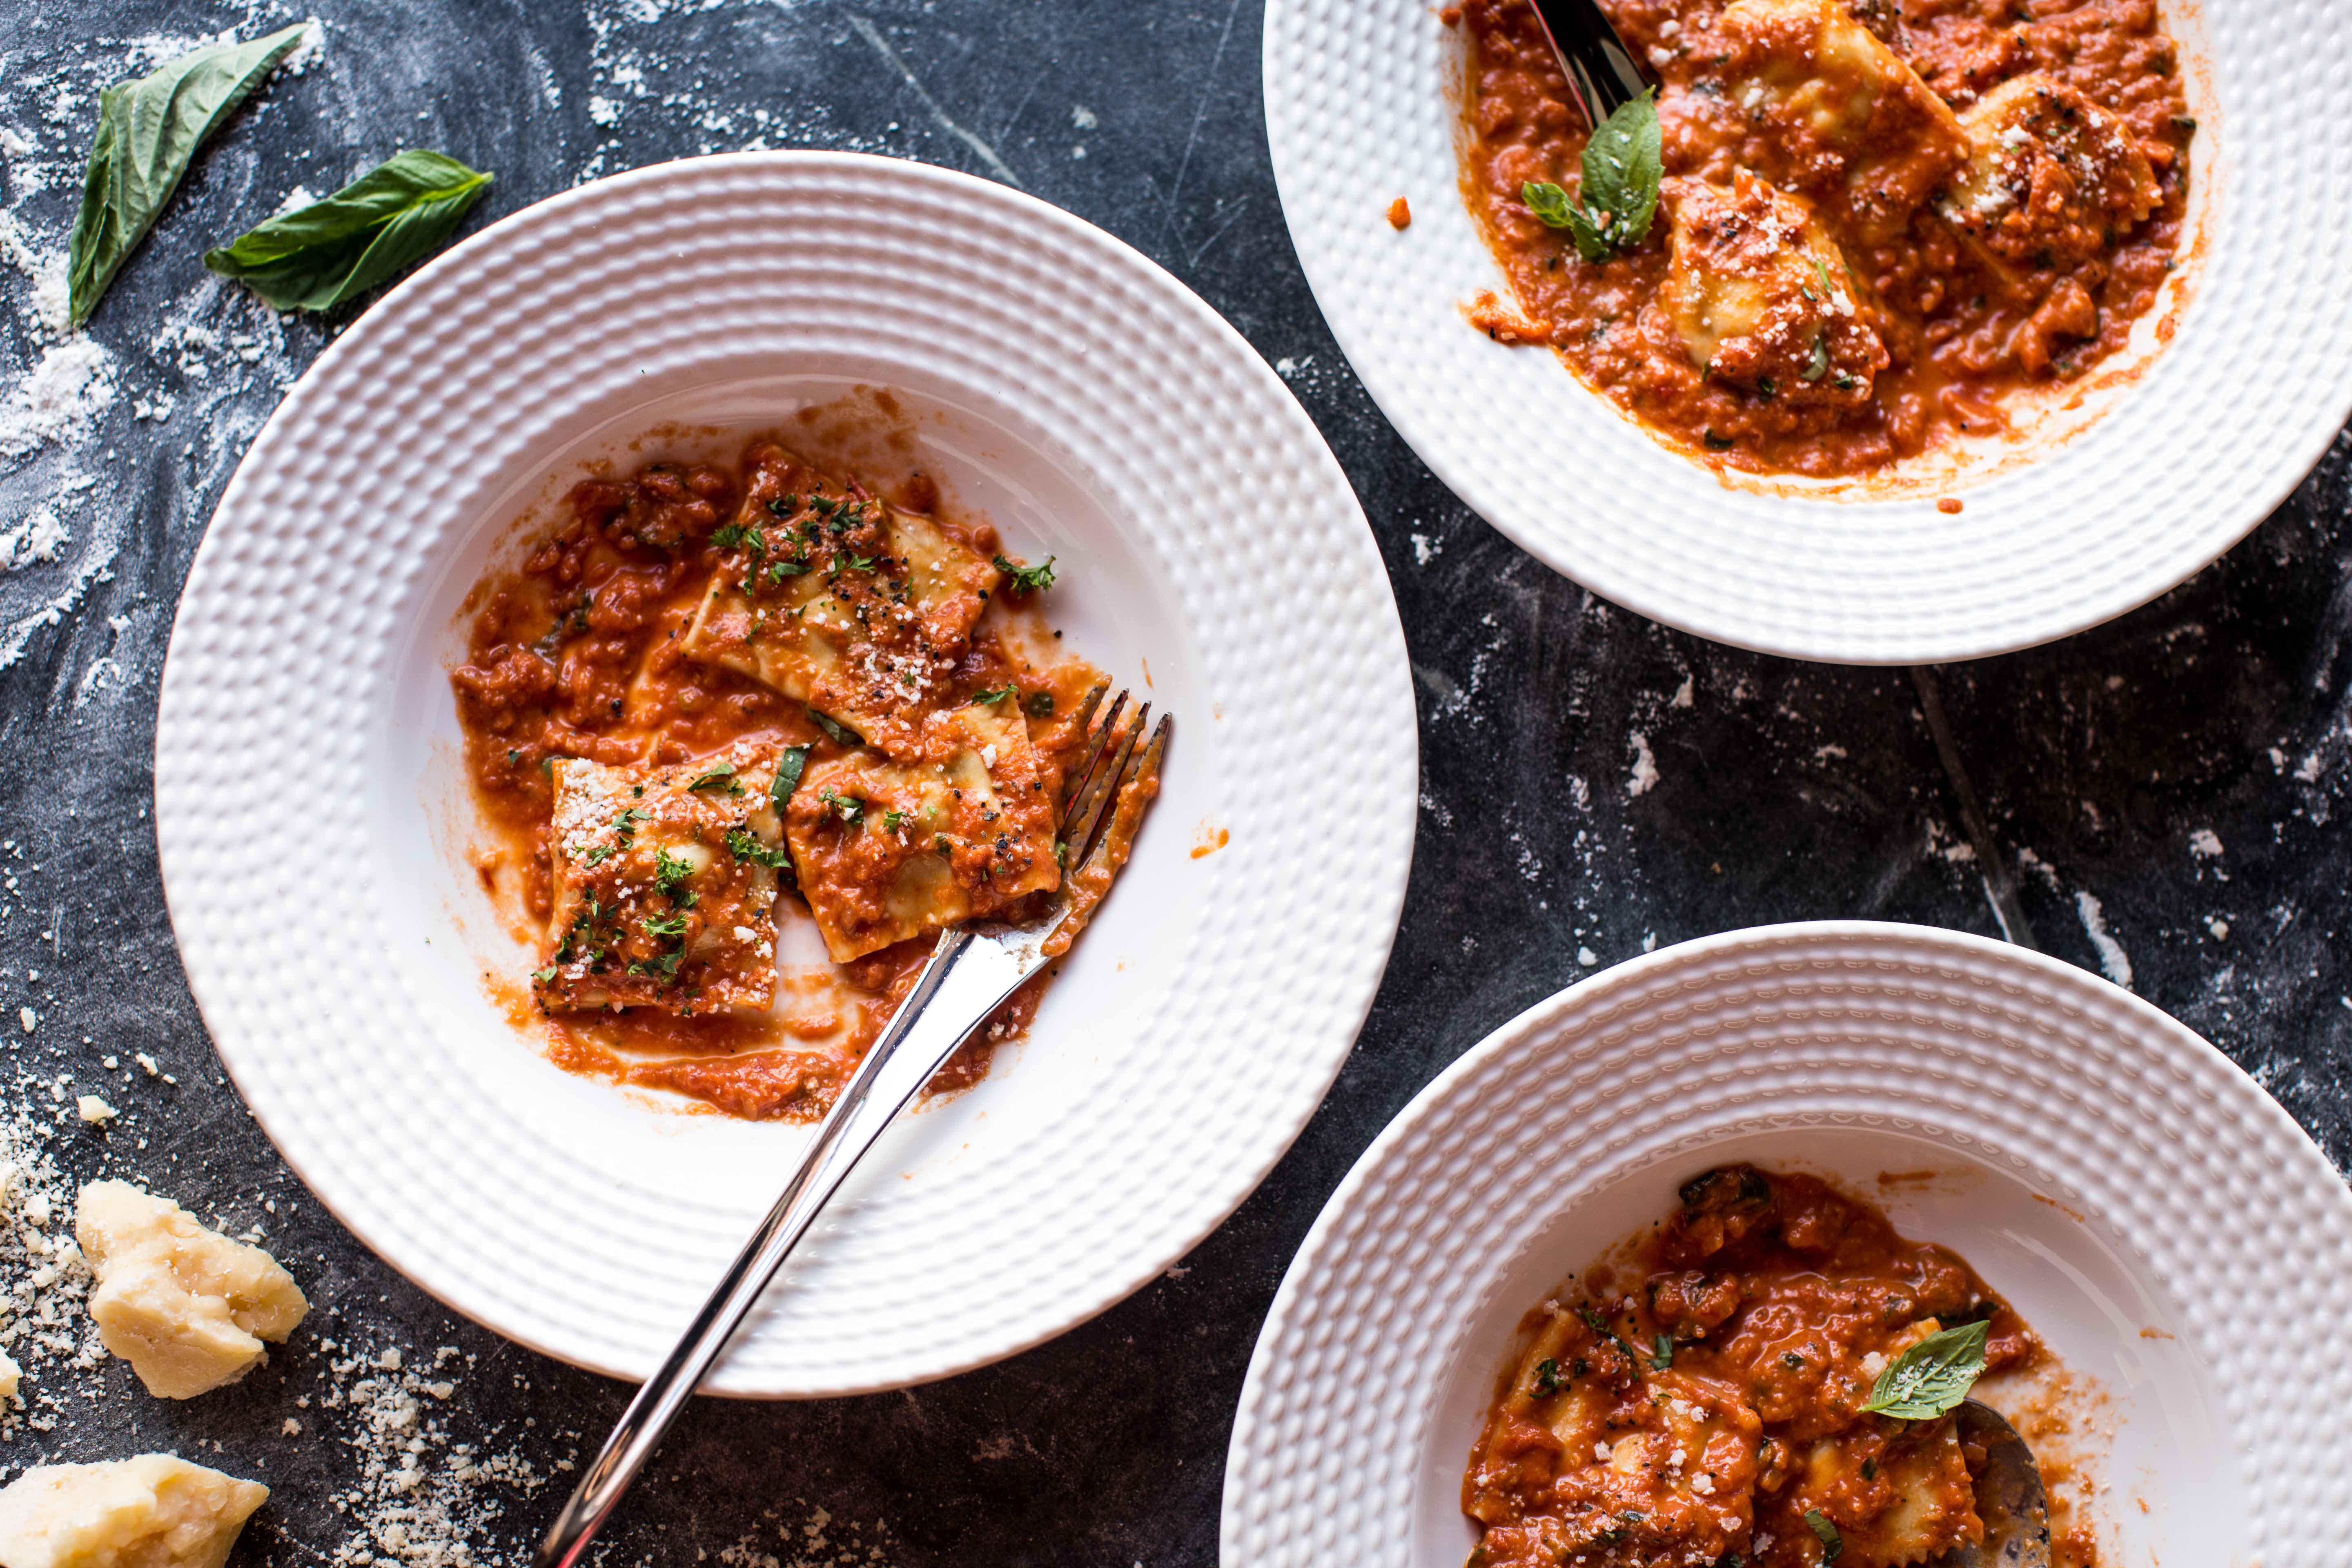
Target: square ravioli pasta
963 825
839 600
665 885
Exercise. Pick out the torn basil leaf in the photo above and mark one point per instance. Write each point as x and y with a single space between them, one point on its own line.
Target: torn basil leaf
1619 197
842 734
1933 1377
148 130
346 245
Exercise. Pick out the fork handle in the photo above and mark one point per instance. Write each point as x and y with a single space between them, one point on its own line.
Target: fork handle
959 987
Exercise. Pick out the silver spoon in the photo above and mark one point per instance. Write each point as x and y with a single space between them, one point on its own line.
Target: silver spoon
1602 73
2010 1498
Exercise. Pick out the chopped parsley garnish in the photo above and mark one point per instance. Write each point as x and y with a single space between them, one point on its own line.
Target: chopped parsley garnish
728 537
671 874
840 734
1039 705
993 694
1028 579
1547 1378
891 819
545 975
1716 443
663 925
848 807
744 846
823 505
598 854
859 562
1662 1350
1832 1544
783 506
780 570
721 777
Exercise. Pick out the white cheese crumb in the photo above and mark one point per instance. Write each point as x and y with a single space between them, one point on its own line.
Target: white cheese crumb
1703 1484
146 1063
94 1110
28 1018
290 1427
1600 1453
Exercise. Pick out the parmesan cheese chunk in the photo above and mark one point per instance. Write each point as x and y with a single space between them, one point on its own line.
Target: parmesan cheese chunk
153 1512
11 1375
185 1306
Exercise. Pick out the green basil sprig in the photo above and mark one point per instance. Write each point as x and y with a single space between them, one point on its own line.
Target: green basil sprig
341 246
1933 1377
148 130
1623 165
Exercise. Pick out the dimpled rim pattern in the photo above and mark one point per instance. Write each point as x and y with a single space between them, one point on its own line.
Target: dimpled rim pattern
2084 1092
357 486
2227 420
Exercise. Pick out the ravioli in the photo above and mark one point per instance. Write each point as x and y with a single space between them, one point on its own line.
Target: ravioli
888 850
665 885
1858 127
1763 296
839 600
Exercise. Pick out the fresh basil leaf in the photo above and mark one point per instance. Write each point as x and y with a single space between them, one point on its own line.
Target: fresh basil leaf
148 130
841 733
1933 1377
1547 200
1623 165
1832 1544
789 768
341 246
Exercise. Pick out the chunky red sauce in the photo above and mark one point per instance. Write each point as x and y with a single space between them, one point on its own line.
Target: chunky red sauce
1880 220
1695 1399
603 663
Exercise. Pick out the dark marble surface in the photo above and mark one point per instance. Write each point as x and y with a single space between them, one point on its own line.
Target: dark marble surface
1782 791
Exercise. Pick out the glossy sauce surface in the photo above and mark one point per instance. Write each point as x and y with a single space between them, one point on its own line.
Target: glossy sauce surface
1973 297
1695 1397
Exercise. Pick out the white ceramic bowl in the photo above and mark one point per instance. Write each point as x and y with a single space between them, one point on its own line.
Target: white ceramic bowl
2123 498
314 825
2161 1222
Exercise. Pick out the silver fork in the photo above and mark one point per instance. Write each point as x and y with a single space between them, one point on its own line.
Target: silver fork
969 972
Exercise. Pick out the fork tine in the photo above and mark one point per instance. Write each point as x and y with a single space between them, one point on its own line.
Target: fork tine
1095 802
1096 744
1087 708
1137 765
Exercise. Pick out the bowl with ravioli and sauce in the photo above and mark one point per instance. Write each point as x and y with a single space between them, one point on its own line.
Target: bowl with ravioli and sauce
1880 332
664 613
1701 1261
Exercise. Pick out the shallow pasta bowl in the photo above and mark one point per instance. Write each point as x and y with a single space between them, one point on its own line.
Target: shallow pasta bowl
2174 452
1212 558
2162 1224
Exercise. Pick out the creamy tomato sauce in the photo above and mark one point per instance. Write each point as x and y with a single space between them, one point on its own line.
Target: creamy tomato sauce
1936 204
1695 1399
578 655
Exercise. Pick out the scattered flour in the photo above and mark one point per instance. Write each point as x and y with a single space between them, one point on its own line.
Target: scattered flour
60 399
2205 843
